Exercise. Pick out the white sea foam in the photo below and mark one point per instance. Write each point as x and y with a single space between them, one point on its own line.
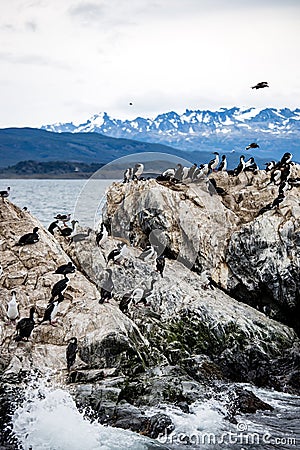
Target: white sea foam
49 420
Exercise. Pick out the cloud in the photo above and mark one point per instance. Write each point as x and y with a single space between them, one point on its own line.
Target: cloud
86 12
31 26
32 60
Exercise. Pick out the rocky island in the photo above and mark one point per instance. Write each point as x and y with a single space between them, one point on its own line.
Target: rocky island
224 311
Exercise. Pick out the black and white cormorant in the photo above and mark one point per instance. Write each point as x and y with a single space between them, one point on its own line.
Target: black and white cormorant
29 238
270 166
191 171
51 311
223 164
65 269
160 264
128 175
52 226
137 171
67 231
25 326
286 158
59 289
102 235
107 287
241 166
213 163
148 254
71 352
5 194
251 166
117 254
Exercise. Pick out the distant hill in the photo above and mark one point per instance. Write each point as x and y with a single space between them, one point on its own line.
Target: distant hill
24 144
51 169
276 130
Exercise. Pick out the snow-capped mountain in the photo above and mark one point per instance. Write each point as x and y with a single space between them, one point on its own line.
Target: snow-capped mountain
225 129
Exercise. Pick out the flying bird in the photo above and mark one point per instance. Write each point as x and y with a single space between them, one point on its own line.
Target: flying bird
260 85
252 145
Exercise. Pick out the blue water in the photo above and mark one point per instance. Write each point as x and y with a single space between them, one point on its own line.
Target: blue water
46 198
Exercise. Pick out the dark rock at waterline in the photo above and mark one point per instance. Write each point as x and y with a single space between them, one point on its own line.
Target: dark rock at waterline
160 423
247 402
10 397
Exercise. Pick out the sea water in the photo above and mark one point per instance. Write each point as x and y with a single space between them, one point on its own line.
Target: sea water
83 199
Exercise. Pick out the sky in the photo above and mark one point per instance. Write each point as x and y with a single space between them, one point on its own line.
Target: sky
66 60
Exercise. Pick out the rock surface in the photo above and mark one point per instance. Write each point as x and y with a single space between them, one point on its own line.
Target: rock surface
193 336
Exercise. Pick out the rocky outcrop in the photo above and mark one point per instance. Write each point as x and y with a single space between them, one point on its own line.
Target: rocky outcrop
254 257
193 336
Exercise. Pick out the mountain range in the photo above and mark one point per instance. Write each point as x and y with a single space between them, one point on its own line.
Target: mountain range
226 130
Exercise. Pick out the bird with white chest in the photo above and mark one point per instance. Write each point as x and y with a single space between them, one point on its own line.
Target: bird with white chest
13 308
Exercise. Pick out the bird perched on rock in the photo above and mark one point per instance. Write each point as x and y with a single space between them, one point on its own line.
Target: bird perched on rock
148 254
65 269
12 308
128 175
252 145
168 174
251 166
107 287
286 158
78 237
51 311
25 326
102 235
223 164
71 352
117 254
191 171
270 166
213 163
137 171
241 166
67 231
29 238
260 85
52 226
5 194
275 204
59 289
130 297
160 264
